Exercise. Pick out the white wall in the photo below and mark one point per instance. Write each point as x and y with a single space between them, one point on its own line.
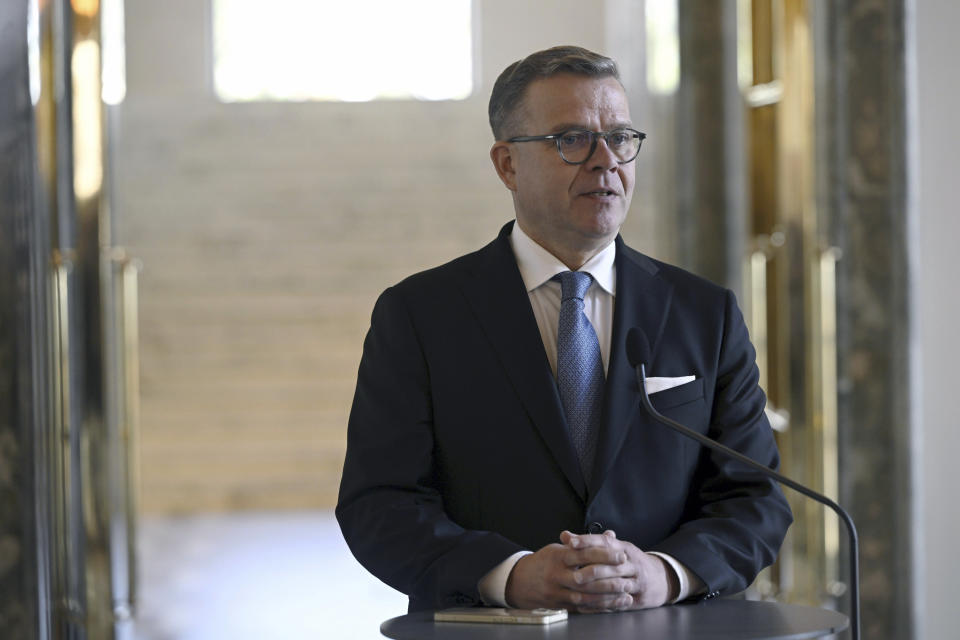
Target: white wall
937 131
268 229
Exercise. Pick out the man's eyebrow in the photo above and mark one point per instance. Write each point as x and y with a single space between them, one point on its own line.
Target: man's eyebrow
567 126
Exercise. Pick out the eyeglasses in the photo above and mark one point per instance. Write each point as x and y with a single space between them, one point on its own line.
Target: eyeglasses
577 145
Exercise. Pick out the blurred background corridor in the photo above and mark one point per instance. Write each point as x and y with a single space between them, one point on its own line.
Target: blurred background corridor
254 574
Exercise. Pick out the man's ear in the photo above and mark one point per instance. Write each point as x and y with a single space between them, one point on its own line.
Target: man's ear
502 157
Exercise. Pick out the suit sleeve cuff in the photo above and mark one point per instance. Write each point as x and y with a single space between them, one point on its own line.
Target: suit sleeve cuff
690 584
493 585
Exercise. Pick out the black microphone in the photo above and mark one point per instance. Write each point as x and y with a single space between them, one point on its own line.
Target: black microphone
638 353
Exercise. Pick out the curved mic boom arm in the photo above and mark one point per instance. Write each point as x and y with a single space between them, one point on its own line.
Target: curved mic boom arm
796 486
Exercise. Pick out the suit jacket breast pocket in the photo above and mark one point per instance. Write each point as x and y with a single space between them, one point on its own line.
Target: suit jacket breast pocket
677 396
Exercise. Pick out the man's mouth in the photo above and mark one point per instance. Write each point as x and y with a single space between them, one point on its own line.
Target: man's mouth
600 192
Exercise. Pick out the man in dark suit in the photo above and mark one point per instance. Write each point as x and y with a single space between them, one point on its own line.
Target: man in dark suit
496 450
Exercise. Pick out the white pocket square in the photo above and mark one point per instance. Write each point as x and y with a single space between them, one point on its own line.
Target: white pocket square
655 385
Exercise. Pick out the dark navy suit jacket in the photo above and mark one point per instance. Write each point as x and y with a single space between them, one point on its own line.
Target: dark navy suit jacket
457 451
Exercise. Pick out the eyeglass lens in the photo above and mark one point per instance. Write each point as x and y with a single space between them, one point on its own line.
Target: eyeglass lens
576 146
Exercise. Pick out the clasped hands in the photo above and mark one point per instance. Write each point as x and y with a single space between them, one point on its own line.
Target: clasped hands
591 573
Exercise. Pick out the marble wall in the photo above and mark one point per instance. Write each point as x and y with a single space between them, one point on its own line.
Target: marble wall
863 169
20 369
709 137
861 195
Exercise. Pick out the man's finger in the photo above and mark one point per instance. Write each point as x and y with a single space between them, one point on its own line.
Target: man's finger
595 603
593 555
610 586
581 541
574 541
594 572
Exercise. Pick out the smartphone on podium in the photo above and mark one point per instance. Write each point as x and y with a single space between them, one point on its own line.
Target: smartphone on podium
500 615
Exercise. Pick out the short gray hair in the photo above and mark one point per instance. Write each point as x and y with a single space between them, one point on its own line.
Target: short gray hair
510 87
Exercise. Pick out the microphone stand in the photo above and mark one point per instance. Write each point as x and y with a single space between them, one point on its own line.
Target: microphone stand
796 486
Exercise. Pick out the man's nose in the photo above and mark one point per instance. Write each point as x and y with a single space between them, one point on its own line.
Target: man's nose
602 156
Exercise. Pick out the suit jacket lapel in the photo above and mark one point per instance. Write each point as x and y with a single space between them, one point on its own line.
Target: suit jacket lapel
643 300
496 293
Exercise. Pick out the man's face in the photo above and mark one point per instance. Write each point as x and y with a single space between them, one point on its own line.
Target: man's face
571 210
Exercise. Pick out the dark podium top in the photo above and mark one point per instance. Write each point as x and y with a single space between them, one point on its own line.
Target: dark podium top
710 620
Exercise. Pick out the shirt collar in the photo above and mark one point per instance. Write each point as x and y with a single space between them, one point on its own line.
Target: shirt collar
537 265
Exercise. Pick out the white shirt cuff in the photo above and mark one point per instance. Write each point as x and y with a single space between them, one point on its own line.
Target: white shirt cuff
690 584
493 586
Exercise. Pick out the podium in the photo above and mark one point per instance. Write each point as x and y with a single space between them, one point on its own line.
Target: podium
709 620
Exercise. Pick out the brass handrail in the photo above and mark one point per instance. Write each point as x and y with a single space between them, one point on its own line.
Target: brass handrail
126 454
63 538
130 272
825 411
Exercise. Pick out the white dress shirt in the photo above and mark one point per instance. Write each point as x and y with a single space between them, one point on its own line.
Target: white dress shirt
537 267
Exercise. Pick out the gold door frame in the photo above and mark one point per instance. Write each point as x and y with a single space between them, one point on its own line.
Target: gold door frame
86 467
790 286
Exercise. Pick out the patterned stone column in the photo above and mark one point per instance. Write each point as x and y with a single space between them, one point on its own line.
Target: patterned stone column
23 238
710 144
862 178
861 182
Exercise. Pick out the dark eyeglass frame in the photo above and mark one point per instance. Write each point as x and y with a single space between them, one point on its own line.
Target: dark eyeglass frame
594 136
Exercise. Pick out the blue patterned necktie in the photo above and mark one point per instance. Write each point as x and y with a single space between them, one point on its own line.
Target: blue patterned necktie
579 368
